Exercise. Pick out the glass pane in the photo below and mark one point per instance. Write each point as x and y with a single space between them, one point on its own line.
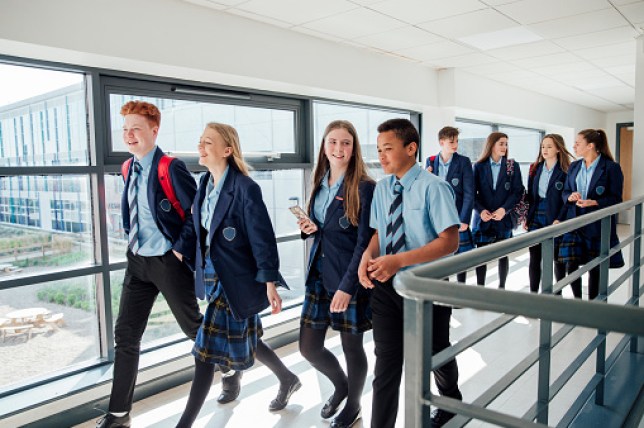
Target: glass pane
46 328
262 131
366 121
281 190
45 223
292 268
471 139
43 120
524 146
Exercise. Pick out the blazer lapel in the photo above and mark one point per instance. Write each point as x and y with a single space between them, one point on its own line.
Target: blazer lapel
223 203
196 207
503 173
334 203
554 178
537 177
451 172
153 182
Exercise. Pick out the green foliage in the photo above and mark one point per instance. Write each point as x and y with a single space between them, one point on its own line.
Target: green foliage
75 294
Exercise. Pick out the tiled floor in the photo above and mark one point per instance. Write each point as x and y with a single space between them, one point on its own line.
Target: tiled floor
479 367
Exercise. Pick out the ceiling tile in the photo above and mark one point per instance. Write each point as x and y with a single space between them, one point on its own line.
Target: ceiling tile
613 61
526 50
620 94
479 21
608 51
489 70
565 69
627 77
546 60
260 18
399 38
354 24
208 4
416 11
533 11
366 2
297 12
428 53
579 24
468 60
634 12
599 38
623 2
498 2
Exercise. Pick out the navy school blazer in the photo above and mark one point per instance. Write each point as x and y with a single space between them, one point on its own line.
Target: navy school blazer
461 178
341 242
556 207
180 233
606 186
243 248
509 189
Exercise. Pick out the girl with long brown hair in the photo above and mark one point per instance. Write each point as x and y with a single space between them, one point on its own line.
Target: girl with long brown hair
339 210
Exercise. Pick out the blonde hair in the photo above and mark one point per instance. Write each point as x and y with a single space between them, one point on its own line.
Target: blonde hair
231 138
356 172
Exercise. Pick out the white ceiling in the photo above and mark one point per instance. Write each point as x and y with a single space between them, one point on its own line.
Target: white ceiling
582 51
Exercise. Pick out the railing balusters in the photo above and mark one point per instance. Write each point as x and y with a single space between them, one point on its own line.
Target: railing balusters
636 262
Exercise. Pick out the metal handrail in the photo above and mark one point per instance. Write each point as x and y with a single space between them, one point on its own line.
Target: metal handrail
424 285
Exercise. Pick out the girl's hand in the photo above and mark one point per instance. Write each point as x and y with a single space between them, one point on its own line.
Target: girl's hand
463 227
273 298
499 214
307 226
340 301
585 203
574 197
486 215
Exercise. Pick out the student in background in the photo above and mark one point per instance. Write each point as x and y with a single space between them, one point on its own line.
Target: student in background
595 181
339 210
545 188
161 245
416 221
236 270
456 169
497 180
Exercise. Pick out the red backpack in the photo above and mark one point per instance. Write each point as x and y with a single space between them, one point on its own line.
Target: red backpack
164 179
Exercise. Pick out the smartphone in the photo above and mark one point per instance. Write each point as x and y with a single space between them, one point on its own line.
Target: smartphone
299 212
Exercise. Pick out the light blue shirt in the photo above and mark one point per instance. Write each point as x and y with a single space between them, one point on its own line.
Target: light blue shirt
428 207
325 196
443 167
151 241
211 199
585 175
544 179
496 169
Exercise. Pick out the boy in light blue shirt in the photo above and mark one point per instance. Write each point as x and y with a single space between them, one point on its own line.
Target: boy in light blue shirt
416 221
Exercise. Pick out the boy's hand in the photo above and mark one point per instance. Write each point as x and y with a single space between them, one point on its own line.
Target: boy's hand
340 301
463 227
363 276
384 267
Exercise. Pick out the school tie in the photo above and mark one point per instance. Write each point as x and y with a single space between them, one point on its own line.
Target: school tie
132 192
395 238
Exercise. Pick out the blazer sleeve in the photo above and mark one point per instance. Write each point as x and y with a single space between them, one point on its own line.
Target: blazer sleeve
478 198
261 235
615 186
530 198
516 191
468 192
349 282
185 189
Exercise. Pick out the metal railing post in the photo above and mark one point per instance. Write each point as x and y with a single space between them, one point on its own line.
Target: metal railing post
600 364
636 254
545 335
415 354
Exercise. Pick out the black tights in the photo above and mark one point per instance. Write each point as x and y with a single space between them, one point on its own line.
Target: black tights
593 282
348 385
504 268
534 271
204 374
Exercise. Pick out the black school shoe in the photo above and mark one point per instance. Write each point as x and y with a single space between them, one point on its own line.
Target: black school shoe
111 421
284 393
337 423
230 388
440 417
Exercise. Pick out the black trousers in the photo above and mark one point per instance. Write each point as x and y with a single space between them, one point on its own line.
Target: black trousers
144 278
387 318
534 270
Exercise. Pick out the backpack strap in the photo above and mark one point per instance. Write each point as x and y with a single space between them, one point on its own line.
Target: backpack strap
166 184
125 168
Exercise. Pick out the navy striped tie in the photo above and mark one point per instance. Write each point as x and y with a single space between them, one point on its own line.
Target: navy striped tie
395 238
133 241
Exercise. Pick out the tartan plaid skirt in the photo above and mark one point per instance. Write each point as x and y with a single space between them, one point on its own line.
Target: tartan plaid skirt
540 220
221 339
317 302
577 248
465 241
491 235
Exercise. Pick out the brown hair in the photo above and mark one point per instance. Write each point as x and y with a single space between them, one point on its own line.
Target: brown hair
150 111
448 132
231 138
356 172
563 157
404 130
599 139
489 144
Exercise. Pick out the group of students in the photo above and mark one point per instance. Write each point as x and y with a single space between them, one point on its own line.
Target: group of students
363 234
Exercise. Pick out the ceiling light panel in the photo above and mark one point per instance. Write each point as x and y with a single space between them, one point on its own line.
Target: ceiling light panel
533 11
